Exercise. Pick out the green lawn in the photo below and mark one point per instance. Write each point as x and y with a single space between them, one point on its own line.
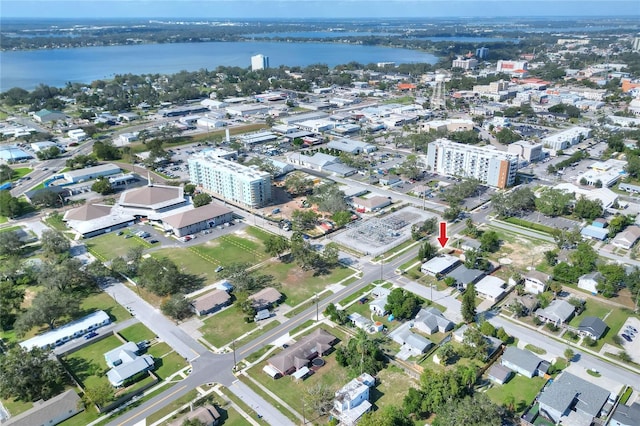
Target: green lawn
4 219
102 301
394 385
10 228
16 407
168 365
594 309
523 389
109 246
299 285
221 328
82 419
231 249
137 332
290 391
260 329
615 318
357 295
88 364
55 220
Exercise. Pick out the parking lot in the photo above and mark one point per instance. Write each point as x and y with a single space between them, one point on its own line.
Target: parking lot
632 347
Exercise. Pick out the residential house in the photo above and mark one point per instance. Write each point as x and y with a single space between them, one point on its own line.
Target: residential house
126 364
627 238
207 415
592 327
430 320
594 232
412 343
626 415
360 322
50 412
521 361
265 298
491 288
352 400
389 180
377 306
500 374
469 244
558 312
590 282
535 282
572 400
464 276
440 265
210 302
298 355
262 314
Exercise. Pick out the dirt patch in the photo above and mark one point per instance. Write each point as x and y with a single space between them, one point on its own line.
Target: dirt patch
523 253
28 298
295 276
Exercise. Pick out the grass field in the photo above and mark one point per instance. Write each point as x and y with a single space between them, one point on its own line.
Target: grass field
137 332
88 364
102 301
167 361
4 219
221 328
165 410
299 285
109 246
16 407
523 389
394 385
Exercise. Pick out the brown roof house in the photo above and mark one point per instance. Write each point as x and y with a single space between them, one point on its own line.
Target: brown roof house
49 412
206 415
198 219
265 298
298 355
210 302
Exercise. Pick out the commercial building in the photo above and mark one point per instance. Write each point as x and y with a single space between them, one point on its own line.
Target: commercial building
464 63
233 182
198 219
512 67
566 138
68 331
50 412
351 146
482 52
488 165
527 150
89 173
439 265
259 62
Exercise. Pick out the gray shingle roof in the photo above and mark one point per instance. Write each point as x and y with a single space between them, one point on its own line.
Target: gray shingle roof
593 325
558 310
627 415
560 395
43 411
521 358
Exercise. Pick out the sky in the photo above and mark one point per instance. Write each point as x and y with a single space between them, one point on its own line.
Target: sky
269 9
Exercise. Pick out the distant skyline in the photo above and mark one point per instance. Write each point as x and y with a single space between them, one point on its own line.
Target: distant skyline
270 9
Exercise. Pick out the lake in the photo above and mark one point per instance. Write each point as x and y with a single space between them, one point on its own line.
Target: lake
55 67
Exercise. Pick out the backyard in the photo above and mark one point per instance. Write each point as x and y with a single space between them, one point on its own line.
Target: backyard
614 317
137 333
523 390
225 326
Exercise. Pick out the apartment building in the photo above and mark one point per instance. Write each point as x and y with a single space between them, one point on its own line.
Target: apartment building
566 138
259 62
488 165
230 181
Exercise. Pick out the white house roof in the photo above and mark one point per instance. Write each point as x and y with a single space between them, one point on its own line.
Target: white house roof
440 263
491 286
67 331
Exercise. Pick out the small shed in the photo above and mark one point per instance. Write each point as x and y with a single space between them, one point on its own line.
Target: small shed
500 374
271 371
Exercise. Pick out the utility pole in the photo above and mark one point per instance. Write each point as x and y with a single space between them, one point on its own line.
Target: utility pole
235 364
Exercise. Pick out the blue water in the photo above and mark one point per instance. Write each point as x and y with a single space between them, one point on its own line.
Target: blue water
466 39
55 67
320 34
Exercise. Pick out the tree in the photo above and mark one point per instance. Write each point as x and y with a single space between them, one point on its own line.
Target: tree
244 279
451 213
100 394
177 307
569 354
614 278
6 173
329 198
553 202
341 218
427 228
587 209
162 277
106 151
202 199
409 167
48 153
48 307
30 375
551 257
9 206
275 245
11 298
401 304
331 255
476 410
488 329
303 219
361 354
297 184
189 189
319 397
506 136
102 186
489 241
446 353
10 243
387 416
47 198
469 304
54 242
427 251
336 315
513 203
67 276
618 223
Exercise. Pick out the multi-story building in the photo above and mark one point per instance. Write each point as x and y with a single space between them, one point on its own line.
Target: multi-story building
482 52
527 150
464 63
566 138
259 62
488 165
230 181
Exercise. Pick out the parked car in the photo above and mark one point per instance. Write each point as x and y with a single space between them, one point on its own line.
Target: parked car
219 268
153 241
625 337
635 330
90 335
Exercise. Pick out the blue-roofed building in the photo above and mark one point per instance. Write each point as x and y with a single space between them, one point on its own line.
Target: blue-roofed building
594 232
12 154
